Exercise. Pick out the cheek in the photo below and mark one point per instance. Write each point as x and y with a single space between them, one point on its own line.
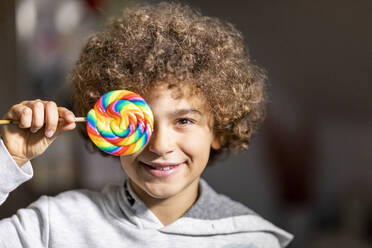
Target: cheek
127 163
197 145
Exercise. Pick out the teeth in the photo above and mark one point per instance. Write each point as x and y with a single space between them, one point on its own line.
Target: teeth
164 168
161 168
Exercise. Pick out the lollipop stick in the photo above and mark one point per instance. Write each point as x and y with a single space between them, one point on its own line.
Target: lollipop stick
6 122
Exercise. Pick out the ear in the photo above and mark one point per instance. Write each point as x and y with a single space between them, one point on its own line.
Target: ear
217 142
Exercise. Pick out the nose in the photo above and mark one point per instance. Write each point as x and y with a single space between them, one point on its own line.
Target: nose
161 141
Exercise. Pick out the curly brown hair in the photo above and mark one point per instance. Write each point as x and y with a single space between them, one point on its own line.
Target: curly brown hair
154 43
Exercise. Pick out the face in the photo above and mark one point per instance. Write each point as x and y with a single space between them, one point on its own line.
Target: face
178 151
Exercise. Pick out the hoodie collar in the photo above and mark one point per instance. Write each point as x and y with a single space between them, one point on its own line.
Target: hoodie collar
211 214
136 210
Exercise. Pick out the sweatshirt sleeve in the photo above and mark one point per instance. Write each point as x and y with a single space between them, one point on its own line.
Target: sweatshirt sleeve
29 227
11 175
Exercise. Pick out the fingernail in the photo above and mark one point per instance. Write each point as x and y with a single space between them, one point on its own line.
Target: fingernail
33 130
49 133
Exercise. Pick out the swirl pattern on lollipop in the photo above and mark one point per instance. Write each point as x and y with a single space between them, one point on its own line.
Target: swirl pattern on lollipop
121 123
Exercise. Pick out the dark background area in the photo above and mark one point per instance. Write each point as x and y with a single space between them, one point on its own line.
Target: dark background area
309 167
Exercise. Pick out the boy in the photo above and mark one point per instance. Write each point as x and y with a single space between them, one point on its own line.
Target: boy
206 98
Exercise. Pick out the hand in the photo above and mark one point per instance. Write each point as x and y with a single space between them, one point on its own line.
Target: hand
37 128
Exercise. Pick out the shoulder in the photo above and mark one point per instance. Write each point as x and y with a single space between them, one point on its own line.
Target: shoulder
217 214
75 196
211 205
83 200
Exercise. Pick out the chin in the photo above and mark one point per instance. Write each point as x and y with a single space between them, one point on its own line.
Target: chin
159 191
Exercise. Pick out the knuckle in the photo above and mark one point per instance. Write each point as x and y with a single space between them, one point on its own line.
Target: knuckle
26 111
51 104
25 117
64 111
17 105
37 106
15 108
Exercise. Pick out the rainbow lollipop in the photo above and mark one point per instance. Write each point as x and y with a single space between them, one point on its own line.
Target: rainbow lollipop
121 123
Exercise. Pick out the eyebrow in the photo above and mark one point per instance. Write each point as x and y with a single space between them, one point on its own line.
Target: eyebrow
186 111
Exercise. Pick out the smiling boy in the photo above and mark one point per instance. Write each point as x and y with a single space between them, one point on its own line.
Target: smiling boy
165 175
206 97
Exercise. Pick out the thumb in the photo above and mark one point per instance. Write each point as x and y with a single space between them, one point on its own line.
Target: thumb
64 126
67 120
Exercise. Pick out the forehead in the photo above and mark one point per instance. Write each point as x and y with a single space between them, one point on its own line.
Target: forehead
171 97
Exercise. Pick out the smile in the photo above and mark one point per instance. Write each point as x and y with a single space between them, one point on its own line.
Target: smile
161 170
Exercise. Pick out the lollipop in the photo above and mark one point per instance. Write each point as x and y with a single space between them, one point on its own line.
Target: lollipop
121 123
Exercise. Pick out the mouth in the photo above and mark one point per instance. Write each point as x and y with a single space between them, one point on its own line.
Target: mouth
161 170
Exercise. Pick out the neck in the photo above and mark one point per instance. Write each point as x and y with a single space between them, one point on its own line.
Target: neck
168 210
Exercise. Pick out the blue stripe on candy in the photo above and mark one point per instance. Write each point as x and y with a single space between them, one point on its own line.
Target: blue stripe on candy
119 105
110 149
124 133
106 134
92 120
105 100
139 102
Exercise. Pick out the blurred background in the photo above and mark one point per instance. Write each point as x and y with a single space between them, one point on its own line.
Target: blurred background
309 167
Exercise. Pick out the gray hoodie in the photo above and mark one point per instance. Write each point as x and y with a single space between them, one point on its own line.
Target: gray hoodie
116 217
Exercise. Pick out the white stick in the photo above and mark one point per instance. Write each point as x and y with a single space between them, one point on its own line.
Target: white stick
6 122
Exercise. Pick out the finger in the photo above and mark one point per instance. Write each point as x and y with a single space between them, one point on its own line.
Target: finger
68 117
20 113
68 127
37 116
51 118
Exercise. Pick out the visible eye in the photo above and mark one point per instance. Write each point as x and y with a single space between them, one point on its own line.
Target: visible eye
184 121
